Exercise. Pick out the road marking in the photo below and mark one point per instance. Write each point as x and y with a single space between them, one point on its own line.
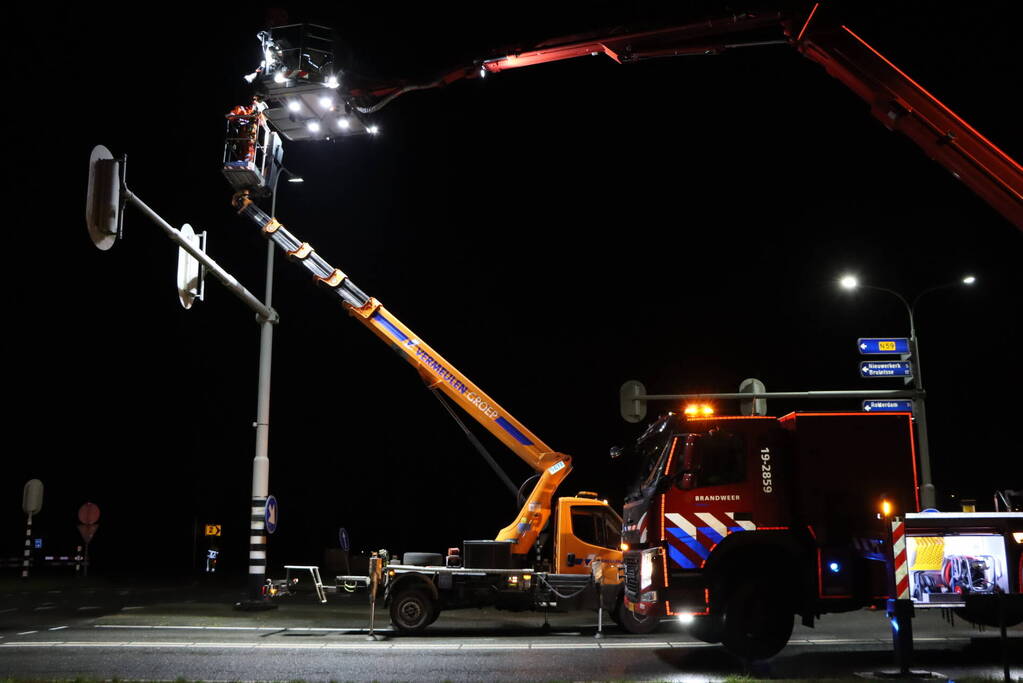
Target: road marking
282 629
43 607
27 633
9 609
58 628
629 646
88 607
620 645
132 607
564 646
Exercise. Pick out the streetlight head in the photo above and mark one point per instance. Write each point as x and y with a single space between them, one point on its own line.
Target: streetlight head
969 280
296 179
849 282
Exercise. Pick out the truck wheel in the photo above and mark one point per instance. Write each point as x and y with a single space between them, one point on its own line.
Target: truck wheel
758 621
707 628
635 623
412 611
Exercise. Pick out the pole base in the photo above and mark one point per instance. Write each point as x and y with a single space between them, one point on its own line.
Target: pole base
375 637
255 606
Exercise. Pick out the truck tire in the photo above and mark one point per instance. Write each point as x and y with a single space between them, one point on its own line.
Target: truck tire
634 623
412 611
707 628
758 621
423 559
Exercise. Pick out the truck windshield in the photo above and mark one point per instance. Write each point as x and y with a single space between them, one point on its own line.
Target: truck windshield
650 450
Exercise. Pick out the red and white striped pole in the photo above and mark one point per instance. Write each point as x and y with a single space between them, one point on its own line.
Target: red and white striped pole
900 607
899 555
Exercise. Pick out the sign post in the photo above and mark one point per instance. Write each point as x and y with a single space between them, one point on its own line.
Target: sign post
31 503
908 368
88 515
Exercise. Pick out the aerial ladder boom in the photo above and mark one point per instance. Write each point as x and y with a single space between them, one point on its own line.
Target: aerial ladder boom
895 99
438 374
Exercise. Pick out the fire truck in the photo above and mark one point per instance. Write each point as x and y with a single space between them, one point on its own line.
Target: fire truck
735 525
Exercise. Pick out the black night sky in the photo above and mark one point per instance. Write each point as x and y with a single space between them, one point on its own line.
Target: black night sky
552 231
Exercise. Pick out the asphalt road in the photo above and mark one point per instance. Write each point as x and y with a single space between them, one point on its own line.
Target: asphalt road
161 633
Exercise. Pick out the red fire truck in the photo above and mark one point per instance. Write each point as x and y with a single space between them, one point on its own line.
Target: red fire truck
738 524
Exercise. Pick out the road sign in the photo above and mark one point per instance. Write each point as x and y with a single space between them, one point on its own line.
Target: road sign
882 345
895 406
213 529
32 497
88 513
270 514
889 368
190 273
752 406
633 409
342 539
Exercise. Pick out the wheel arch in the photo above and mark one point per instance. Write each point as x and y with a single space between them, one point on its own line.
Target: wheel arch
412 581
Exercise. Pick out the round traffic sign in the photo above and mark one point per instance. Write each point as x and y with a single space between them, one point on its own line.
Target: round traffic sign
270 514
88 513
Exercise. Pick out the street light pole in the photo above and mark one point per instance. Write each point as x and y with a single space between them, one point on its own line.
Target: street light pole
928 494
261 462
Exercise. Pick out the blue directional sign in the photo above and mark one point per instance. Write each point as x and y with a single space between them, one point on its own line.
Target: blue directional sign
882 345
896 406
886 368
270 514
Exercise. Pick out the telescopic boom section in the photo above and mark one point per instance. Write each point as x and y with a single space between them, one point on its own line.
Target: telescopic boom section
437 373
895 99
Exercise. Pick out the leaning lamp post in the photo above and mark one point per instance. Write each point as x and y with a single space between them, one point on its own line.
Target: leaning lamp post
850 282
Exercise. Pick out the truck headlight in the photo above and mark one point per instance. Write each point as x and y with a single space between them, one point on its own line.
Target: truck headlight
646 570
